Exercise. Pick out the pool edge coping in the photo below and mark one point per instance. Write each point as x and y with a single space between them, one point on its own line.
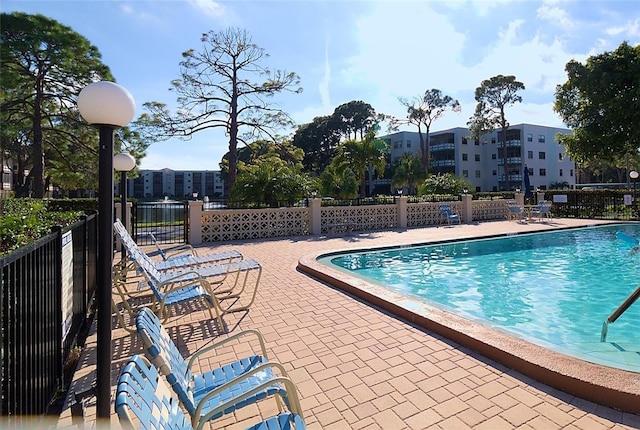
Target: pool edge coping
601 384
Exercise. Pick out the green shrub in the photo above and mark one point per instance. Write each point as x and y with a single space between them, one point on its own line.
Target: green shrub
26 220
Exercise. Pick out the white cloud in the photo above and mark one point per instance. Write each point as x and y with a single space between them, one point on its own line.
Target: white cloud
549 11
323 87
425 51
209 7
630 29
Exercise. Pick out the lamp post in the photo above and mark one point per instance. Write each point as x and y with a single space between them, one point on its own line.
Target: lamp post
634 175
123 163
108 106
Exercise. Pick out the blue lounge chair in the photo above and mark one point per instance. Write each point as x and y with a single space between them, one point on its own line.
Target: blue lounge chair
231 278
172 261
205 396
144 401
447 214
172 294
515 211
543 210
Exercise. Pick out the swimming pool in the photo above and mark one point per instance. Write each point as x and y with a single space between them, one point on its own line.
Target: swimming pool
553 289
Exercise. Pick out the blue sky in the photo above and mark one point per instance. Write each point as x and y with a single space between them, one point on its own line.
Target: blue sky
374 51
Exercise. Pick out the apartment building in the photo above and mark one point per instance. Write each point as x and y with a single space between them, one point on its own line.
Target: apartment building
482 161
175 184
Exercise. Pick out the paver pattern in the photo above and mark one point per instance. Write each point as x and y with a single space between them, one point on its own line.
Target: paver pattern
357 367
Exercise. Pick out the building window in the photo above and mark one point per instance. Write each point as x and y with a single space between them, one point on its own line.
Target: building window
476 142
465 157
571 172
493 140
464 141
541 155
529 137
465 173
494 156
560 156
530 171
543 172
560 172
541 138
494 172
530 155
477 157
408 144
477 173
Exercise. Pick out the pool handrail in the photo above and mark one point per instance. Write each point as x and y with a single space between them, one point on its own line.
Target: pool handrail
619 311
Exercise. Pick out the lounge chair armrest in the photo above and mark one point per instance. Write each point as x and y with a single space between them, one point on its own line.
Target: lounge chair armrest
181 249
263 349
185 276
292 395
176 284
204 400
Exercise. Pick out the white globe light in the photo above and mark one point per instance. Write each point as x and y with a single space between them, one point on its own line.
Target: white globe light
124 162
634 174
106 103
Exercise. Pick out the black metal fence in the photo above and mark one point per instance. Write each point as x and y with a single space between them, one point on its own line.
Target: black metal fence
167 221
47 287
597 204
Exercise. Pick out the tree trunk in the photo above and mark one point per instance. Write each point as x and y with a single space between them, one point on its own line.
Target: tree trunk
423 149
233 135
37 173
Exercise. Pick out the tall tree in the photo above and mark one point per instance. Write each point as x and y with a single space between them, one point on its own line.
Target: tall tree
44 66
408 172
272 174
319 140
355 117
422 111
225 85
494 95
600 102
359 155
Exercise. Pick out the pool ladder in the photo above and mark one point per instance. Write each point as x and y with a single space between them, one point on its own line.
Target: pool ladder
619 311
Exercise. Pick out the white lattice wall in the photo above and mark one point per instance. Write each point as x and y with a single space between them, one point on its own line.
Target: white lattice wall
484 210
425 214
221 225
374 217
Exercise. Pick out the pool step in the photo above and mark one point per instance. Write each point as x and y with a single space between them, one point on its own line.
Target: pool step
623 355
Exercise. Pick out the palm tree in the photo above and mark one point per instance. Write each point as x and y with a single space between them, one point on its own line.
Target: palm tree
359 155
408 172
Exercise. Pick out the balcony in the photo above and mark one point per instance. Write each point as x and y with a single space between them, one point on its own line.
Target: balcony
513 143
442 163
510 161
442 147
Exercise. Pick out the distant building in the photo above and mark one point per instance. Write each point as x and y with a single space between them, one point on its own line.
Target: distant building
175 184
482 161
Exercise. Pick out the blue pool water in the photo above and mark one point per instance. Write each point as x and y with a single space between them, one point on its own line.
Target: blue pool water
554 289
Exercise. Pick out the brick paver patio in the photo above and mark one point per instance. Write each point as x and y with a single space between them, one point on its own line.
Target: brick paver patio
357 367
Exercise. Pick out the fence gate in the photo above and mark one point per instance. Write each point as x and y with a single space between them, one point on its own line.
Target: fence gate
166 220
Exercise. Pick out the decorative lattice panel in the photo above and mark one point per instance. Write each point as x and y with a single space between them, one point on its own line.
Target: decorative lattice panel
426 214
362 218
484 210
222 225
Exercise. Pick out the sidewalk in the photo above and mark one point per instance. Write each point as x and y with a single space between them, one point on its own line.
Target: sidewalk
357 367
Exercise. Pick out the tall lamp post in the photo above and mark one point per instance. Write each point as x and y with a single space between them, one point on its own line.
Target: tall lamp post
634 175
123 163
108 106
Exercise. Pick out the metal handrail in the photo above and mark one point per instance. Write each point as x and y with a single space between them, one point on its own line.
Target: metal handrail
619 311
